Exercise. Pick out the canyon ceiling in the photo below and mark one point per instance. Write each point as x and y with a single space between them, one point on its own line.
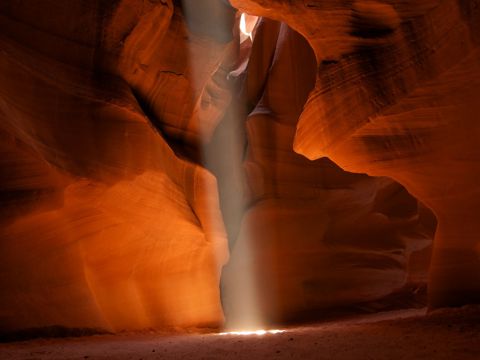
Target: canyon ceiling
156 164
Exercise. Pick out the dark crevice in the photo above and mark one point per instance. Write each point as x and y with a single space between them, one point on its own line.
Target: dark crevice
183 149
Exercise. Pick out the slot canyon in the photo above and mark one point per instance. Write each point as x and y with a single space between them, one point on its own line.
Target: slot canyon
245 179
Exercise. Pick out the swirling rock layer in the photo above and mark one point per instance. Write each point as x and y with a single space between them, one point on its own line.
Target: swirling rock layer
103 225
316 236
397 95
140 138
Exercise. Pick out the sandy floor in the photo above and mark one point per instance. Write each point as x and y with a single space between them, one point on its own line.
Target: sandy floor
444 334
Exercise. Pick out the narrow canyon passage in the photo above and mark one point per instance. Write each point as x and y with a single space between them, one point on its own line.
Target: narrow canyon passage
179 166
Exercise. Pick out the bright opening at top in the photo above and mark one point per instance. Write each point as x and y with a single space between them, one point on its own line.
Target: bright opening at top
247 24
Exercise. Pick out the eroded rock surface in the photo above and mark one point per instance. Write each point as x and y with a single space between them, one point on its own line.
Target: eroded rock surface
137 136
397 94
103 225
316 236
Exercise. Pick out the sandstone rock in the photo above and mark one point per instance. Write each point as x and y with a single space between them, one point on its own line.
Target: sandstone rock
315 236
401 103
103 225
138 136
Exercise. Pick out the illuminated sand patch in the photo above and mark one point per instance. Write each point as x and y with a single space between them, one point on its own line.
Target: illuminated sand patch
259 332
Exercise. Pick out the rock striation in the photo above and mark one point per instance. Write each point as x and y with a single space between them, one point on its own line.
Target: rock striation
397 93
103 224
316 236
143 141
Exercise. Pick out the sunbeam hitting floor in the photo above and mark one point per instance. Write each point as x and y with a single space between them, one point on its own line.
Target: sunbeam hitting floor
239 179
443 334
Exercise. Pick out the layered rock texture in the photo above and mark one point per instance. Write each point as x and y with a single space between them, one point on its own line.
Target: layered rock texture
103 224
142 141
397 95
316 236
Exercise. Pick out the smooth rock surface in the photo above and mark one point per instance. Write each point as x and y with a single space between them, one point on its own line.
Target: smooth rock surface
139 139
103 225
397 94
315 236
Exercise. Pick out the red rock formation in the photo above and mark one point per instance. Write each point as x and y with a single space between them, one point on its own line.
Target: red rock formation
397 95
318 237
102 224
130 149
179 75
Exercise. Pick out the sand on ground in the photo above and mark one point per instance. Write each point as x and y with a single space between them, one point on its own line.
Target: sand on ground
409 334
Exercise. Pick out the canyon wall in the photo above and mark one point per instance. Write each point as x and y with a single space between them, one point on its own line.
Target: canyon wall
397 94
142 142
316 237
103 224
